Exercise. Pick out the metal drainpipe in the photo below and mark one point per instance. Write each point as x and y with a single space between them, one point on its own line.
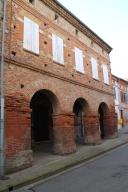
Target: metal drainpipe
2 128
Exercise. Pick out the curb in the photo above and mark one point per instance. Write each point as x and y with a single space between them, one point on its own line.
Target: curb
57 171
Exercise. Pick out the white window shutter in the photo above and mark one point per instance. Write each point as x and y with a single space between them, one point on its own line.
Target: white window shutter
31 36
94 68
27 34
60 50
79 60
57 49
54 47
35 37
105 74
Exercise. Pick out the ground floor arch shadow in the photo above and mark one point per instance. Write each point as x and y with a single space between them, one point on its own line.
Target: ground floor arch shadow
103 113
80 108
43 105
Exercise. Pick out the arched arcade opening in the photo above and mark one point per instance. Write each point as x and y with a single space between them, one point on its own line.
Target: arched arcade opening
80 108
103 125
43 105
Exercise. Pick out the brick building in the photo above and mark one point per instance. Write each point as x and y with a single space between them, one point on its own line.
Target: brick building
58 85
120 90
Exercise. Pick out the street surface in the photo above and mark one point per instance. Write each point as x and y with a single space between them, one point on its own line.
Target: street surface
106 174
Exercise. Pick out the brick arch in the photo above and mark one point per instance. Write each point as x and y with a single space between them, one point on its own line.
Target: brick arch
84 102
51 96
103 111
104 107
44 105
81 104
29 93
57 127
80 110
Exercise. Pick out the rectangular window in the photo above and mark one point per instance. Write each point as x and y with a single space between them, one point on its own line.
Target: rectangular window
94 68
31 36
58 49
122 97
114 92
105 74
127 98
79 60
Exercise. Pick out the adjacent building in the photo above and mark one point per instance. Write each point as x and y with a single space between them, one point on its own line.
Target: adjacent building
120 91
58 83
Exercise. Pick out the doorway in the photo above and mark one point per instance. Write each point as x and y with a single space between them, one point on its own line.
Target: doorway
79 123
42 104
103 111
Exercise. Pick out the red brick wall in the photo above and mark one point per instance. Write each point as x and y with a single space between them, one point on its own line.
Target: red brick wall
18 134
92 131
64 137
27 73
44 60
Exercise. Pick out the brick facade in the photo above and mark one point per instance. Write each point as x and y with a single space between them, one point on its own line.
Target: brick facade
120 89
35 83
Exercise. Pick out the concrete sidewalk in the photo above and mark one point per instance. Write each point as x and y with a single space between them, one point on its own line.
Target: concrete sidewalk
53 164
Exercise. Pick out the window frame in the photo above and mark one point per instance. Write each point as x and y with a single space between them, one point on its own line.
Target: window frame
105 74
79 60
57 49
31 37
95 74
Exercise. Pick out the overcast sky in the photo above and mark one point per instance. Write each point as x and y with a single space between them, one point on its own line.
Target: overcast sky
109 20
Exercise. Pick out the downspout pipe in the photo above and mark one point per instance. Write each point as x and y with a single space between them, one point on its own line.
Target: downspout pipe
2 127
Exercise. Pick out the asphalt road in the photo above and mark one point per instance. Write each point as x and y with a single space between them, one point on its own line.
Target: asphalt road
106 174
